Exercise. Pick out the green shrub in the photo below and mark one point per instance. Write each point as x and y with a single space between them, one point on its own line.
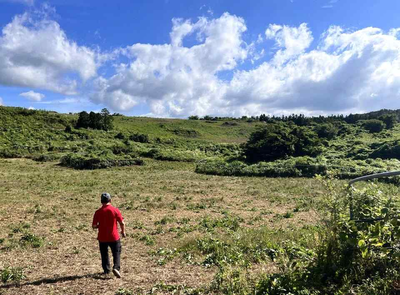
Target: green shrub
390 120
120 135
352 257
79 161
124 291
389 150
298 167
12 274
277 141
29 239
327 130
373 125
186 133
139 137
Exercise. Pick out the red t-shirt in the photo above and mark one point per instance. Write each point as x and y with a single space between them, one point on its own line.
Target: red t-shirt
106 218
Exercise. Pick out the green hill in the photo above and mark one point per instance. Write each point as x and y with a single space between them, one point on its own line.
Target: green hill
45 135
351 149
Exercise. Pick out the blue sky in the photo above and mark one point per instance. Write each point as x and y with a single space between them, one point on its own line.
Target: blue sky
173 58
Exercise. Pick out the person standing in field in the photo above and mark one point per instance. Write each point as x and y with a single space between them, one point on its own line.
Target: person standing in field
105 219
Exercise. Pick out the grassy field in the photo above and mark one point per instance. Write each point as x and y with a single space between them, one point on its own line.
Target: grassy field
201 219
47 240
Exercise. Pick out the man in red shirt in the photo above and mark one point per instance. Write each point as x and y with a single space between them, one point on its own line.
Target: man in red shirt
105 220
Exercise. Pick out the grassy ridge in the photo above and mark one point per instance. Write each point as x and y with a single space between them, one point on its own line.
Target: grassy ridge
46 135
49 136
205 131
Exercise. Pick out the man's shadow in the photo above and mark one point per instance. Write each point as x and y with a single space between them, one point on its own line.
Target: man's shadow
96 276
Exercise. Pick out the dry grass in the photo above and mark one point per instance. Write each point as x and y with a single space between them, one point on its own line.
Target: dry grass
58 204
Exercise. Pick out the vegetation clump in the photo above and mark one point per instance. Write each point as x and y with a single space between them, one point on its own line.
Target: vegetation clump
297 167
352 255
101 121
94 161
277 141
12 274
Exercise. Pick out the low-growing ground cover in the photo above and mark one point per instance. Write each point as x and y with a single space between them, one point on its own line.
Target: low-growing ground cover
186 231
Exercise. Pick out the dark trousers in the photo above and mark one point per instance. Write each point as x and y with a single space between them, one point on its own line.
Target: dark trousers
116 252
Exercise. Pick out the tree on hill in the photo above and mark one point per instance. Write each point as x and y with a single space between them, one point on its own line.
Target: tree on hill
101 121
83 120
277 141
389 119
107 119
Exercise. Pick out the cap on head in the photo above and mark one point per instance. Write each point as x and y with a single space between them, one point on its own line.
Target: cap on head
105 198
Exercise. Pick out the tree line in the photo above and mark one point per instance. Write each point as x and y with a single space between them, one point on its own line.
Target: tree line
388 117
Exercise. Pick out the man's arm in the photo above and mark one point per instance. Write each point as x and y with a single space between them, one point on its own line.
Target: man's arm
122 225
95 223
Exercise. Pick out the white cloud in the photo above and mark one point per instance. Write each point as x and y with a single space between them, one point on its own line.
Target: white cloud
33 96
26 2
1 101
173 79
291 41
31 108
35 52
66 100
339 76
348 71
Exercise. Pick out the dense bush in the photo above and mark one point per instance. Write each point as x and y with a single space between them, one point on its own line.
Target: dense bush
297 167
79 161
389 119
388 150
139 137
277 141
327 130
186 132
373 126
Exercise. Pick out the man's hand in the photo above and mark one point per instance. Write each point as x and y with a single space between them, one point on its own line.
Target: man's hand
123 234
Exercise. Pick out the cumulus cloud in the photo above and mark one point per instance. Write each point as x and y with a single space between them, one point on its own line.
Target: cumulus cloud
1 101
33 96
172 78
290 41
35 52
344 71
347 71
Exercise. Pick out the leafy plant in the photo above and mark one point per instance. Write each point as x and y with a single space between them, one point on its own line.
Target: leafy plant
12 274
